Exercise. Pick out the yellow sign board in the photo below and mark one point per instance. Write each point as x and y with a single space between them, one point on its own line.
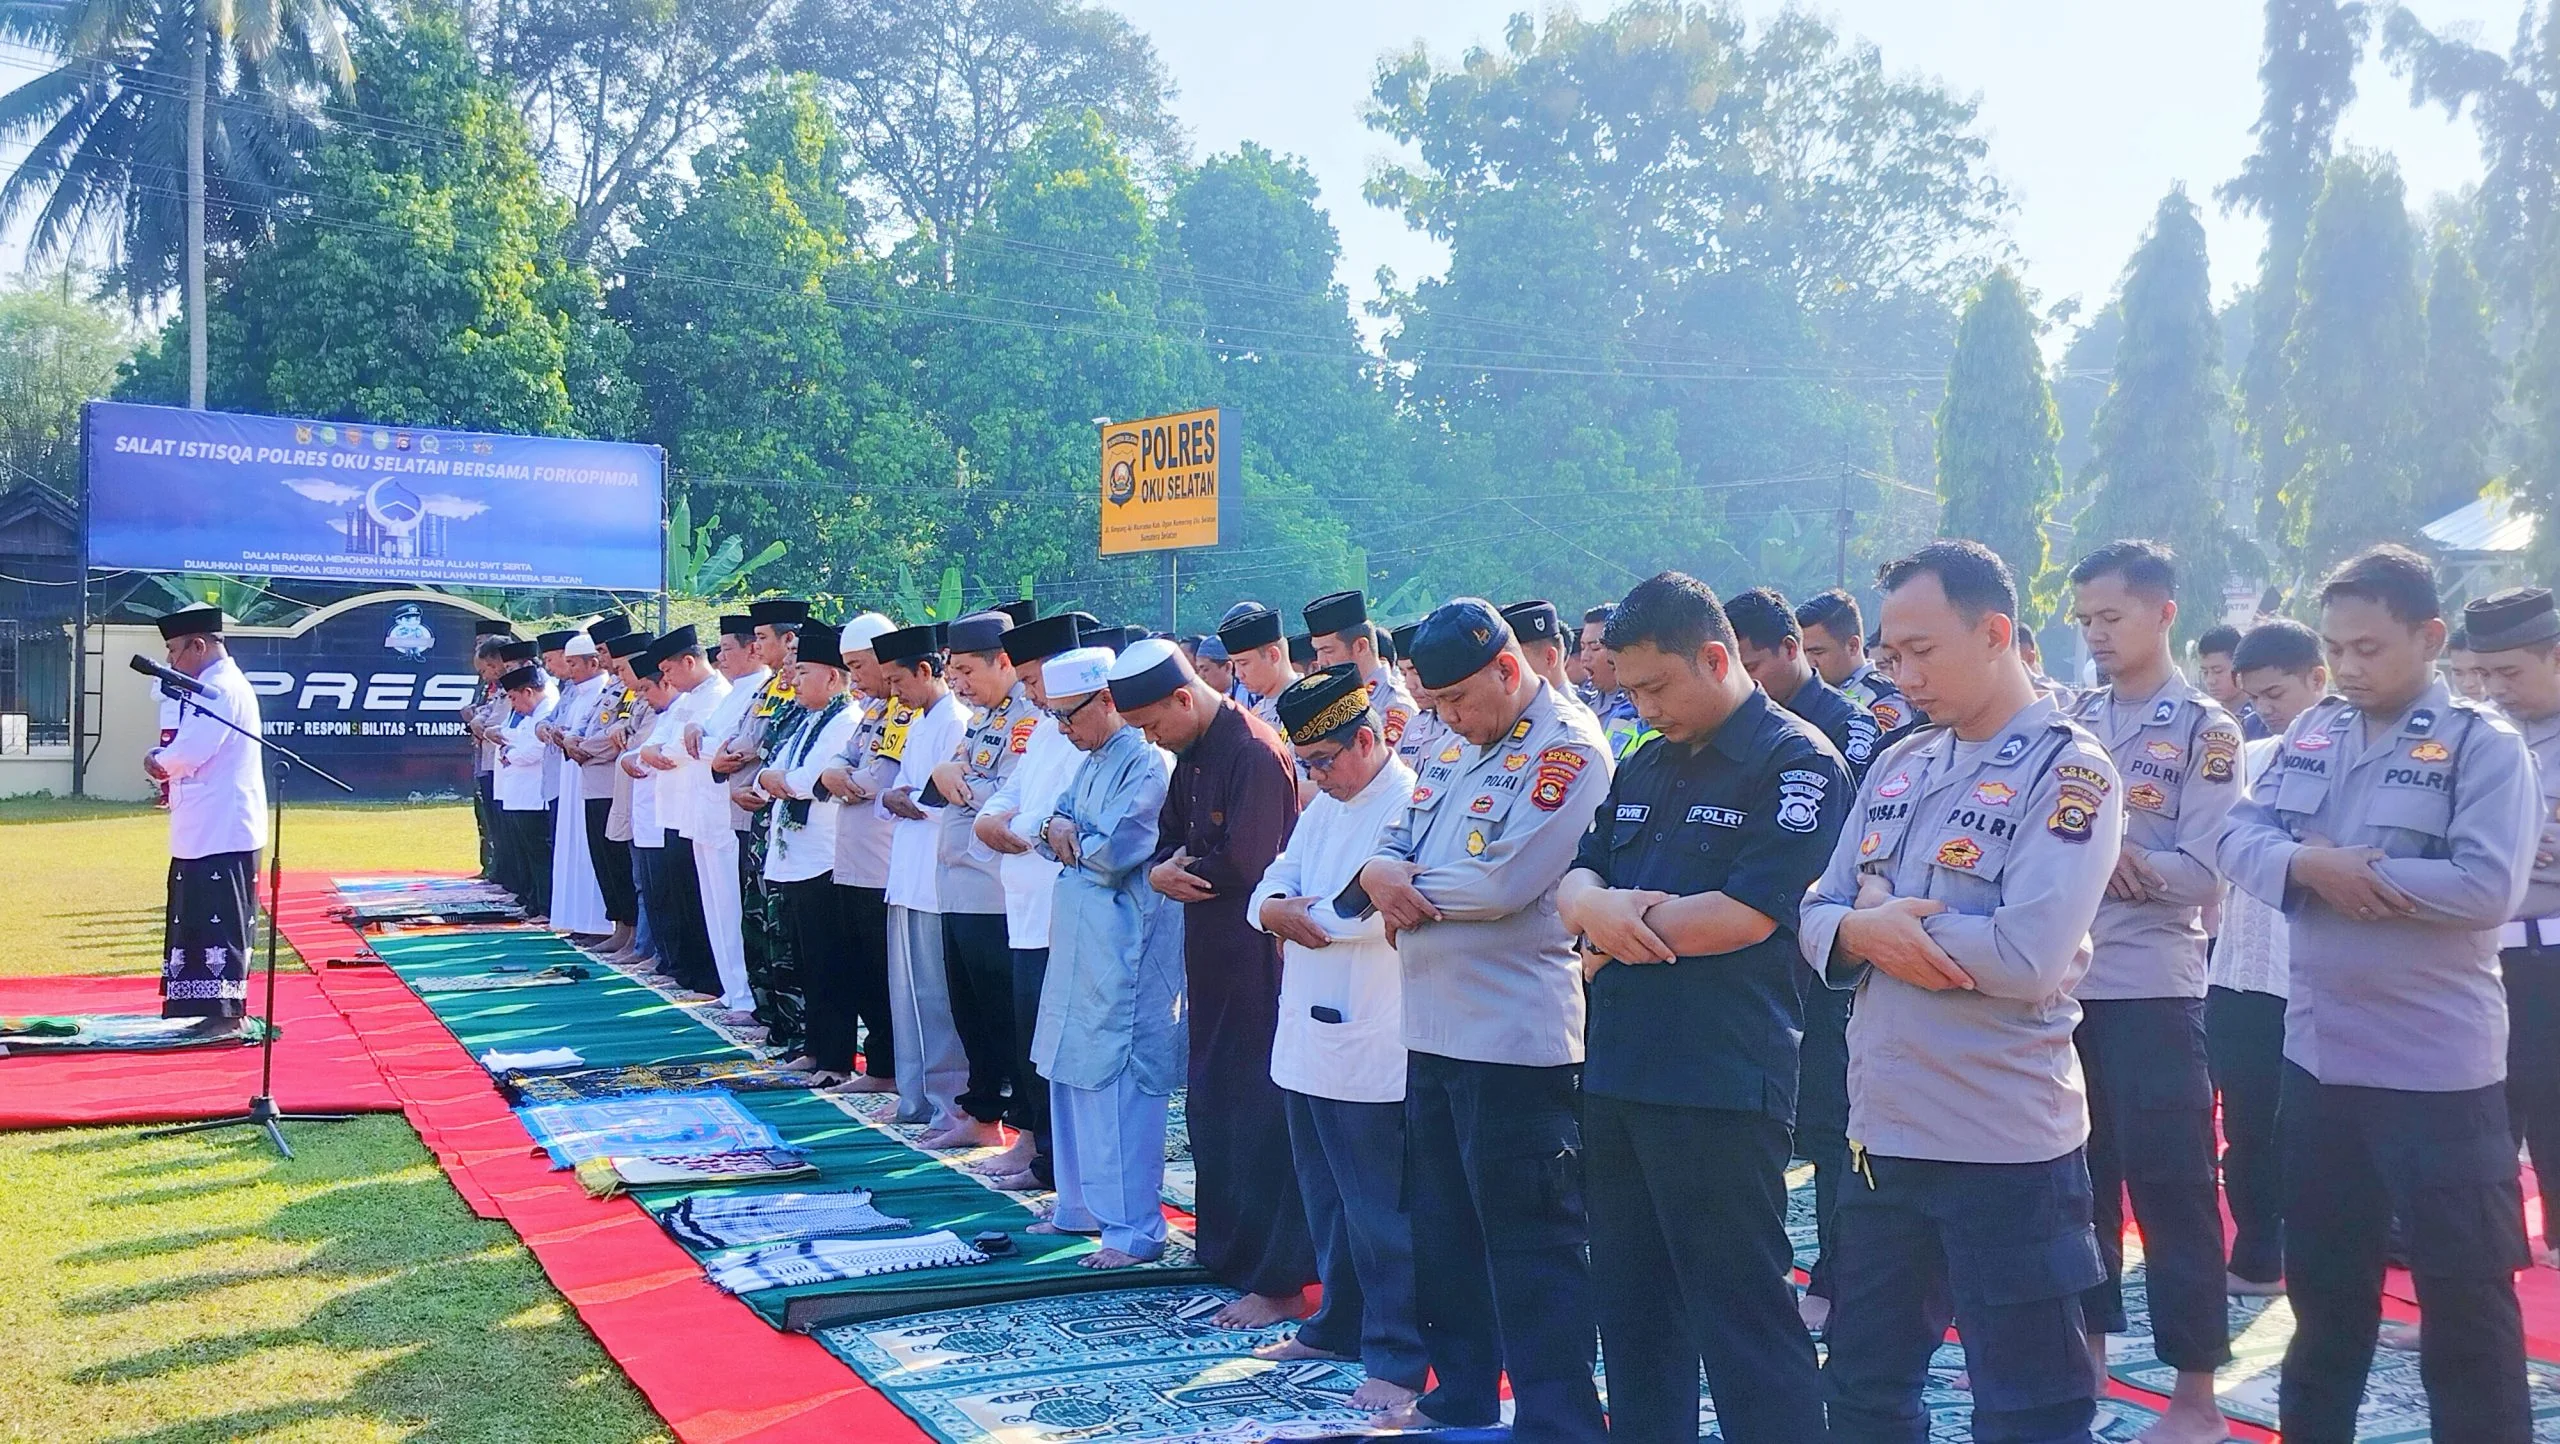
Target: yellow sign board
1165 480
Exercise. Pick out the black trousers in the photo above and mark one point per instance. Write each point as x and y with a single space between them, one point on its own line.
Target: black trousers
484 803
612 863
2000 1250
823 949
1350 1164
977 964
1689 1266
2446 1165
686 950
1030 1091
1493 1163
524 858
2533 1065
2151 1140
2244 1041
206 935
1822 1112
865 911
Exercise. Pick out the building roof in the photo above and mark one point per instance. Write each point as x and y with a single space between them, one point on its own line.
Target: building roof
2489 527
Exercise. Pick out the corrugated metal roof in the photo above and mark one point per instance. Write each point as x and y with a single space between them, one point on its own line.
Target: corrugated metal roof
2487 526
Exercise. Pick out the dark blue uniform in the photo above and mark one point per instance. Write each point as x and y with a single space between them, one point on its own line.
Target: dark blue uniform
1689 1084
1849 725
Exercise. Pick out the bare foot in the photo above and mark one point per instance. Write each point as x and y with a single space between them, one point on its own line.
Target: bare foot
1378 1394
864 1083
1047 1226
1815 1310
2241 1288
1112 1258
1024 1182
966 1133
1013 1160
1285 1350
1259 1311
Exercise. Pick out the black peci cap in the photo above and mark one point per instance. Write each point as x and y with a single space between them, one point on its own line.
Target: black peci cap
492 627
1535 621
523 651
607 627
1019 611
907 644
553 641
1455 642
2516 617
1322 703
191 622
1248 625
1302 651
1043 638
628 645
680 642
1401 638
821 645
520 677
777 612
738 625
1336 612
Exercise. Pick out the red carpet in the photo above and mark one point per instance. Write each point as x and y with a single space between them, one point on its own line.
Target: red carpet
713 1370
321 1067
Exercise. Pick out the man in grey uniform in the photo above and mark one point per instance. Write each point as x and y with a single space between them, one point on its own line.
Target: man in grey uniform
1493 1014
2396 829
1958 904
2141 1038
2515 636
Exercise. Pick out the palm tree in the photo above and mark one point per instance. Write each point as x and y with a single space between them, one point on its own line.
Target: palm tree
166 121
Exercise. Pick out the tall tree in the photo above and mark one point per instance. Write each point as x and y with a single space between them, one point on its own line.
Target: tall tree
2515 105
768 370
56 351
2307 73
169 125
1997 473
2466 384
939 96
421 282
2356 364
2153 441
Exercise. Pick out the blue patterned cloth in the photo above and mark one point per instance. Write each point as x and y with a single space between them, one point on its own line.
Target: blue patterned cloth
654 1125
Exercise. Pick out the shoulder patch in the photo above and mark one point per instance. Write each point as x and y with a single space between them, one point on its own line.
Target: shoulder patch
1888 713
1557 767
2088 777
2075 812
2221 755
1800 792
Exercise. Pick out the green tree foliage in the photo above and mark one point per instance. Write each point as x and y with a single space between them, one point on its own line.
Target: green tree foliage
703 564
769 371
2357 363
56 351
2465 385
2515 104
2153 458
2307 73
1997 473
423 281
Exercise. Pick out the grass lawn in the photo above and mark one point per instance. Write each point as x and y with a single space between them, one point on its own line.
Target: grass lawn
201 1289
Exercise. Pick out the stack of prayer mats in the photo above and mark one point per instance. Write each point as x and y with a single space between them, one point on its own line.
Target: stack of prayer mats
604 1177
450 899
736 1075
829 1260
496 979
649 1125
708 1222
126 1033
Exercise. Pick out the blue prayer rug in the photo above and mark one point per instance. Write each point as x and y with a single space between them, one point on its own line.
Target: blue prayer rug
655 1125
2395 1398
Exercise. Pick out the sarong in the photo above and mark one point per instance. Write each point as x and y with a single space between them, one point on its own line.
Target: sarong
204 950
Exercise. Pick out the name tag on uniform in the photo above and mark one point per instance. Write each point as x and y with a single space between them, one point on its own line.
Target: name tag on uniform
1716 816
1633 811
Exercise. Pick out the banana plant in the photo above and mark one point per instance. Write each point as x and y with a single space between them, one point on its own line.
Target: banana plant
698 566
946 605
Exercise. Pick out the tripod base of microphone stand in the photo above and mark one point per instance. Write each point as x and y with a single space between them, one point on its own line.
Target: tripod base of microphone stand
262 1113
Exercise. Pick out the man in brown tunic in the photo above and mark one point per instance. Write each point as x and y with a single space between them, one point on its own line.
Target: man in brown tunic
1232 803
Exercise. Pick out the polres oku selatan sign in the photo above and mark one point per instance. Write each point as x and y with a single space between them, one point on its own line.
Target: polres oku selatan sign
371 690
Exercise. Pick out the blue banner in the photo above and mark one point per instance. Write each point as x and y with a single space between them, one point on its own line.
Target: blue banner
213 491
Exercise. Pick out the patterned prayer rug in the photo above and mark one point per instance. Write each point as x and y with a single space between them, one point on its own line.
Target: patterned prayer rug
652 1125
2395 1399
737 1075
1181 1183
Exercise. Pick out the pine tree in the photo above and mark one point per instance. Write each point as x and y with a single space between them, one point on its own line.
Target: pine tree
2154 461
2465 383
2355 365
1997 431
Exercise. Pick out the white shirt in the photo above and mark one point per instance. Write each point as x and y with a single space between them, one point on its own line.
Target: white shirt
1031 792
648 828
808 850
932 738
524 760
217 781
685 794
720 718
1362 1058
2251 953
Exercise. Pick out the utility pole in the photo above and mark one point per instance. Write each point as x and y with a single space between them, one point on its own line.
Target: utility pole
1846 522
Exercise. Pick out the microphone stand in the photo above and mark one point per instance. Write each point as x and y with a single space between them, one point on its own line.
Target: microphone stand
262 1112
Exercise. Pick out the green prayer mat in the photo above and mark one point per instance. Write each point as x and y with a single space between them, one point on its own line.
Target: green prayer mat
613 1022
126 1033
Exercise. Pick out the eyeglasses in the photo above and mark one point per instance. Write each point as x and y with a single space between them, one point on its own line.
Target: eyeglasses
1063 718
1310 766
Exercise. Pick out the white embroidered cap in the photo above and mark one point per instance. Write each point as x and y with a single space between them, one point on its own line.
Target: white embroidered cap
862 631
1076 673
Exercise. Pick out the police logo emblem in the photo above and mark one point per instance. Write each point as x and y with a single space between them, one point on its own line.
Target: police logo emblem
2075 815
1888 716
2011 750
1868 844
1557 767
1862 739
1994 794
2146 796
2431 751
1021 741
1421 795
2221 753
1960 852
1800 799
1482 806
1396 718
1475 842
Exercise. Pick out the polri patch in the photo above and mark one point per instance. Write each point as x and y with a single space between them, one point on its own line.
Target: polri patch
2221 755
1557 767
1800 792
2075 814
2089 777
1960 852
1715 816
2147 796
2431 751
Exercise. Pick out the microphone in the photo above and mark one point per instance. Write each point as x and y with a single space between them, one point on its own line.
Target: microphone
169 677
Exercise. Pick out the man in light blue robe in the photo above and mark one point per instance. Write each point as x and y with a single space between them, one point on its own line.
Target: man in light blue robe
1111 1038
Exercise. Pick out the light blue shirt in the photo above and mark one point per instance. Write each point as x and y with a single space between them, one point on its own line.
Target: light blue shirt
1113 1001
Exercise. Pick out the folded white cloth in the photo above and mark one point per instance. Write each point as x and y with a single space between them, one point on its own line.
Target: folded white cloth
532 1060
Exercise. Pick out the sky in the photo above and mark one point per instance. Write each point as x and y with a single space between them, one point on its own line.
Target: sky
2092 109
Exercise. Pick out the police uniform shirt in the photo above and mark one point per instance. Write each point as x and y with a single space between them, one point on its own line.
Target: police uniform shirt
217 781
1751 812
1396 713
2447 792
864 829
1494 830
2016 835
990 749
2542 890
1851 728
2179 755
1870 688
